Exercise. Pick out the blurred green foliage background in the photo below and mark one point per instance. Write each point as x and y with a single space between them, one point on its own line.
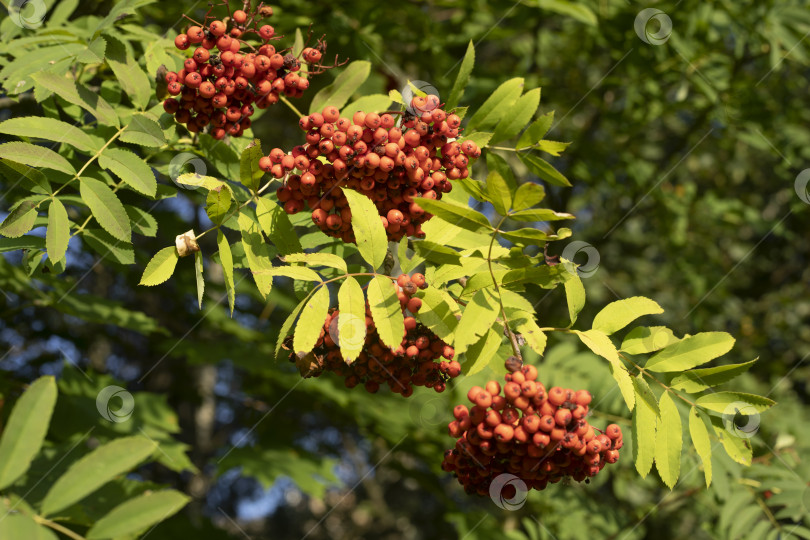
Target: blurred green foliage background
683 157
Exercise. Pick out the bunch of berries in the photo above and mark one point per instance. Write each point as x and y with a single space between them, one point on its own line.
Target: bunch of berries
219 85
412 363
537 435
394 160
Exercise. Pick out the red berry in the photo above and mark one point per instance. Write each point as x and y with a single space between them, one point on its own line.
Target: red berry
266 31
239 16
182 42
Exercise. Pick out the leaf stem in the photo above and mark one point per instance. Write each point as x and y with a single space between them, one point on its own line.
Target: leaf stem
91 160
234 212
653 378
291 106
57 527
512 338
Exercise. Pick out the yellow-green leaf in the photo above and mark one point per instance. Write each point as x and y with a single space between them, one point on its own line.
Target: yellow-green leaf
161 267
699 432
351 327
57 235
645 417
310 322
668 441
691 351
386 311
620 313
26 428
96 469
138 514
372 242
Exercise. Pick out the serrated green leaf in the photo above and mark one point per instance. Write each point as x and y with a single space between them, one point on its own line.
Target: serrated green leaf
517 116
35 156
276 225
130 168
94 53
351 329
298 43
20 220
697 380
372 103
226 259
310 322
462 78
478 317
57 235
197 180
574 10
318 259
249 172
528 195
668 441
15 172
293 272
532 237
535 132
218 204
461 216
288 324
161 267
386 311
691 351
699 432
48 129
479 354
109 247
499 164
620 313
552 147
529 329
645 417
144 130
480 138
574 295
372 242
645 339
475 188
722 402
436 252
498 193
26 428
544 170
396 96
96 469
494 108
138 514
346 84
738 448
77 94
540 214
256 251
141 222
600 344
129 74
198 276
24 242
19 525
438 313
106 208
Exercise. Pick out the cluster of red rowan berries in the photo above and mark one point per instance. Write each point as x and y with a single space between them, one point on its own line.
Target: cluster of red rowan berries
412 363
392 160
537 435
219 85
